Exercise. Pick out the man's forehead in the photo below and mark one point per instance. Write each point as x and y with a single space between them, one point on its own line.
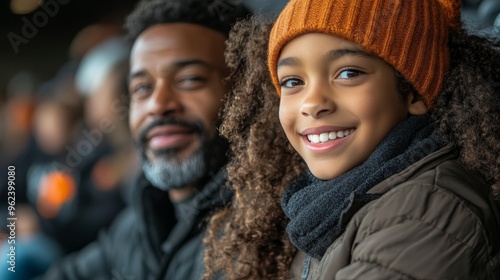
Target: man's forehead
179 41
181 35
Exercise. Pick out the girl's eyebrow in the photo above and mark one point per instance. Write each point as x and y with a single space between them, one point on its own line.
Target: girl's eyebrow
336 54
328 57
289 61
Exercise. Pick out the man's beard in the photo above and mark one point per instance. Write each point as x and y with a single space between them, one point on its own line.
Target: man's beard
167 171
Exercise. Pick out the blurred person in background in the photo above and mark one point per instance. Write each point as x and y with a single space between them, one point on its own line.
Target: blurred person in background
74 186
17 146
91 36
35 251
177 83
102 79
77 189
482 17
62 198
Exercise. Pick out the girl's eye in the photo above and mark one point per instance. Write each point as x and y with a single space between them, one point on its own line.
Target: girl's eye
350 74
291 82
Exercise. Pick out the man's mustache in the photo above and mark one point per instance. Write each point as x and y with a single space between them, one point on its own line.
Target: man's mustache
196 127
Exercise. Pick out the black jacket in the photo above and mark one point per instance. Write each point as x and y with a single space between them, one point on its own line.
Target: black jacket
147 241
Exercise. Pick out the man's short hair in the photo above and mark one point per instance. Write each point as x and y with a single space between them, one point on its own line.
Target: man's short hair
219 15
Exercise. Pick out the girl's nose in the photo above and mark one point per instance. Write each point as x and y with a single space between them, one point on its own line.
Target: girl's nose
317 102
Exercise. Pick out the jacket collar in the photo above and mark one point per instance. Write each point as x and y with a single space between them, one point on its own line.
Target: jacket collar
414 170
429 162
156 214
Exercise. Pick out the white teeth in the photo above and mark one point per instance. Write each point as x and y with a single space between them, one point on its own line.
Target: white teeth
323 137
326 136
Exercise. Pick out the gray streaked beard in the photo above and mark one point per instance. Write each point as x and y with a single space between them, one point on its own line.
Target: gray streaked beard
167 171
171 173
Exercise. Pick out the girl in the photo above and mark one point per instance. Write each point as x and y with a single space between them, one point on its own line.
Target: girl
387 194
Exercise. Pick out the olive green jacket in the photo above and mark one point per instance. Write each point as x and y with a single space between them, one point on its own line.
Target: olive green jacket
434 220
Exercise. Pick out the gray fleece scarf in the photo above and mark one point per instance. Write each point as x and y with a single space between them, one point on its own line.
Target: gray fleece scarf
317 208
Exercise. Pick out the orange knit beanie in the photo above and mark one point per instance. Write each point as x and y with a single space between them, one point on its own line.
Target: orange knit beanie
411 35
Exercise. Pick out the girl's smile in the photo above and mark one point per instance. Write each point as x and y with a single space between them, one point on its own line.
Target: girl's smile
326 138
337 102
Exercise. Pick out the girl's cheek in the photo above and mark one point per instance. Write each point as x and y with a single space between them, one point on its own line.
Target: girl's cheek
285 115
287 120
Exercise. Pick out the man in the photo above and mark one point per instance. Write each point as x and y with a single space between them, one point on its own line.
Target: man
177 83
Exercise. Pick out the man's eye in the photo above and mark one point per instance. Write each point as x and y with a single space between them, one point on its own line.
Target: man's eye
350 74
192 82
291 82
141 89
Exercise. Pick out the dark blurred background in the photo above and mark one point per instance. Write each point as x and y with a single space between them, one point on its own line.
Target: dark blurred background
48 49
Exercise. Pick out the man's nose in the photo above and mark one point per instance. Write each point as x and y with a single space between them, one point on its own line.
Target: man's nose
164 100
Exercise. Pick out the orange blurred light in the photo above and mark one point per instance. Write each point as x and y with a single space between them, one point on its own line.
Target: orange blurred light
55 189
22 7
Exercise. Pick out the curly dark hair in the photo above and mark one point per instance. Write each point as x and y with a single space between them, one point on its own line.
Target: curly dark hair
219 15
248 240
468 108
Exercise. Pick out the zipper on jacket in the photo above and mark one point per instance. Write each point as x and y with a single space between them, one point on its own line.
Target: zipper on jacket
307 265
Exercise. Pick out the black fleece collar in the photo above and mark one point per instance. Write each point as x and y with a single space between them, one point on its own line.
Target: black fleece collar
157 214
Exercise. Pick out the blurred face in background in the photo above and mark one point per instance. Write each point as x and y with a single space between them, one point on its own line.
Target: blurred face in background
106 102
176 89
51 127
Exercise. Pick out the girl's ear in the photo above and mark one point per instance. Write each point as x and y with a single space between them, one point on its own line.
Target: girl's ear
415 104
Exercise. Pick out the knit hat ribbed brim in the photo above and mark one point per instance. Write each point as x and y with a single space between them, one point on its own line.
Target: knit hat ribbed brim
411 35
